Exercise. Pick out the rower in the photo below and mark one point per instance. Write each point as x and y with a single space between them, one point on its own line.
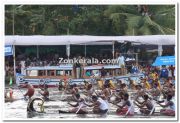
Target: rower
132 84
119 97
120 92
106 92
80 107
111 85
169 106
65 84
158 83
75 89
60 86
126 107
123 88
86 84
154 75
118 85
100 105
45 92
30 91
155 92
167 82
89 90
169 91
9 95
146 84
146 106
100 83
140 92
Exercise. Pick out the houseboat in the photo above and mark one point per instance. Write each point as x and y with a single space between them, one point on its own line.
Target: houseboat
52 75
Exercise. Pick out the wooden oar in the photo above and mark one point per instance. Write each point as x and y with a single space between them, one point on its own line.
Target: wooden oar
79 108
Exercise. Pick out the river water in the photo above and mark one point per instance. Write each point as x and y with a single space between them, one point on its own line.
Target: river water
17 109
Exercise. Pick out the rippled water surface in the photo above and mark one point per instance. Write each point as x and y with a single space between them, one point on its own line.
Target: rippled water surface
17 109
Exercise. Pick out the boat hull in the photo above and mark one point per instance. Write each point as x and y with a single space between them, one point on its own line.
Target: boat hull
54 82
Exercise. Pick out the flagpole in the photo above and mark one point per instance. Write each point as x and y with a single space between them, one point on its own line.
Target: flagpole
113 54
85 50
14 56
13 31
14 59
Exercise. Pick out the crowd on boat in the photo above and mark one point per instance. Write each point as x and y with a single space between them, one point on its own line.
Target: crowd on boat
126 66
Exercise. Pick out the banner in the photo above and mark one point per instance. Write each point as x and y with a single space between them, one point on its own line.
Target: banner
8 50
164 60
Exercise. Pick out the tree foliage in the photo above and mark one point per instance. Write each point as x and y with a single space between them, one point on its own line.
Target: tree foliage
89 20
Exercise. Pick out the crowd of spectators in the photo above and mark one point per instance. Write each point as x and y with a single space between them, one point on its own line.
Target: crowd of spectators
53 60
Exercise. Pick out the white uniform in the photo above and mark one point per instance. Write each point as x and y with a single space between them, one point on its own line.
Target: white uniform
103 105
121 61
90 92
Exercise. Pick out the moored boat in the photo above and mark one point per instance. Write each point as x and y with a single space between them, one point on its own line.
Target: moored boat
52 75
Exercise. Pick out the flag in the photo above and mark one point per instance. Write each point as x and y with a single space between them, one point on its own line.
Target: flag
8 50
10 81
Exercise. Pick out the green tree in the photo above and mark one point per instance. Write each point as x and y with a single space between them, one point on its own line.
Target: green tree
127 20
89 20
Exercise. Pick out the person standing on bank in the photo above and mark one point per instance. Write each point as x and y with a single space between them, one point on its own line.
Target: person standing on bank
103 72
121 63
77 68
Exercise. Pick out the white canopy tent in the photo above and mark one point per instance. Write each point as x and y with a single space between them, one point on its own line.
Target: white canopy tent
88 40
